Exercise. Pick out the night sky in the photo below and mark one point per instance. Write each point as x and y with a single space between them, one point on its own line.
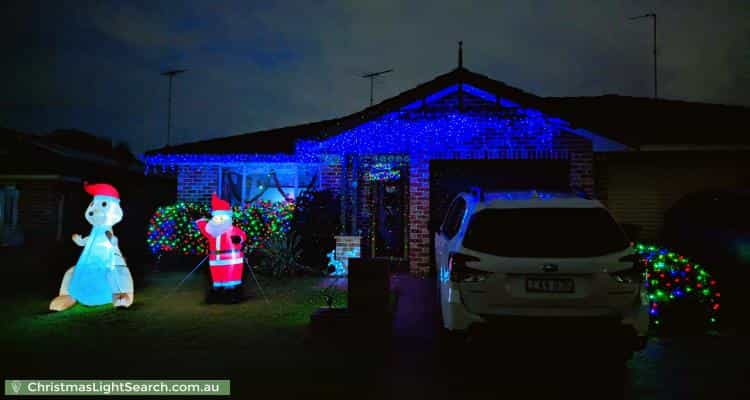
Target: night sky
95 65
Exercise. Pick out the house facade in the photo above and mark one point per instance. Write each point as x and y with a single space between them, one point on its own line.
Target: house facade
396 166
42 200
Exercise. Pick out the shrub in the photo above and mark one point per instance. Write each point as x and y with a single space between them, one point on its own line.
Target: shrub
281 255
316 222
678 289
172 228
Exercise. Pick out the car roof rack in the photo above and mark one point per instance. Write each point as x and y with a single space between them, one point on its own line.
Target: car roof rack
533 193
477 192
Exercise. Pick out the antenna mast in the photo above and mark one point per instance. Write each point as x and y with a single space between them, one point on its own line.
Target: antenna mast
171 75
652 15
372 76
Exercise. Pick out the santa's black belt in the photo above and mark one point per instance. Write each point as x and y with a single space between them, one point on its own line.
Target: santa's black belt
224 252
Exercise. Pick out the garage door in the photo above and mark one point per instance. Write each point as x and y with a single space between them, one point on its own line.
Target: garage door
450 177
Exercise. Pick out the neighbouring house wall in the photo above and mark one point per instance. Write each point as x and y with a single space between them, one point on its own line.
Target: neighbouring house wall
640 187
38 210
196 183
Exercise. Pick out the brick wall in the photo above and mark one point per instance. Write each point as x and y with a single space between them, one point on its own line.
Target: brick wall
345 245
484 145
419 215
330 178
581 156
38 209
197 183
639 188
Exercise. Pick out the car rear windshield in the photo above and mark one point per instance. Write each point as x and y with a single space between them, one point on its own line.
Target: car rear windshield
544 232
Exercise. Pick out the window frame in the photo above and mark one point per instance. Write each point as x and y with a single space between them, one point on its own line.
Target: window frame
250 170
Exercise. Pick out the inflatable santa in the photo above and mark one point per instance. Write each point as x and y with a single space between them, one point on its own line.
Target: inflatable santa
101 275
225 257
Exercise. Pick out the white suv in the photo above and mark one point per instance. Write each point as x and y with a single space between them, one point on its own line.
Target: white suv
556 256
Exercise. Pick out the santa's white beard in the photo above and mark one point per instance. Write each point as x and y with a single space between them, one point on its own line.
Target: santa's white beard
216 230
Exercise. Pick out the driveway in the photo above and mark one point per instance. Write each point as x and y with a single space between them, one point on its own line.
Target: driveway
423 366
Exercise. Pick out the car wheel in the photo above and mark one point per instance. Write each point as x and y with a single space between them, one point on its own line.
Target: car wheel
452 342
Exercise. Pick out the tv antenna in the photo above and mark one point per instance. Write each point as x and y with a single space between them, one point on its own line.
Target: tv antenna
171 75
372 76
651 15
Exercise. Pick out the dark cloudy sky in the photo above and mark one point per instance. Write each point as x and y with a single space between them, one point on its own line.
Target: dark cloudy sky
94 65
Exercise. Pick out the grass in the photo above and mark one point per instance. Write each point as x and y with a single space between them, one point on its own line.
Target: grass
168 334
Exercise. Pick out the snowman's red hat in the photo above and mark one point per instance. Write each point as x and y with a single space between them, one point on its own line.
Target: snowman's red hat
101 189
220 206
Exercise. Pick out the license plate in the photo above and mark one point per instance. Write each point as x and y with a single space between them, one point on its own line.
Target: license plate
547 285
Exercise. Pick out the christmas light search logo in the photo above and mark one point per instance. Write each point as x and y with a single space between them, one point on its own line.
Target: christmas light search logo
16 386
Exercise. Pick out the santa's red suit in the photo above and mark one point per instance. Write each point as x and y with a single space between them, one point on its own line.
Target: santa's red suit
225 256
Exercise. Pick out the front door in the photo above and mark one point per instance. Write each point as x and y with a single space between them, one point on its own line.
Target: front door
389 217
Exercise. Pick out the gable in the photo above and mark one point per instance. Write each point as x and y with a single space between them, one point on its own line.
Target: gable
459 97
445 122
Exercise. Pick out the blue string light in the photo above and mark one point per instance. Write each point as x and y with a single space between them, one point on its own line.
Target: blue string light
513 132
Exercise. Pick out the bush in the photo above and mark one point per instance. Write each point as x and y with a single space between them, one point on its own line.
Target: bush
316 222
172 228
280 257
682 294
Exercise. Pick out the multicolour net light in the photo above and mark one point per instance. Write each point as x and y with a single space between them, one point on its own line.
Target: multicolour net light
670 277
172 229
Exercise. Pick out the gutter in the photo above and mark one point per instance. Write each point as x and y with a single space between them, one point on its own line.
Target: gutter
35 177
691 147
76 154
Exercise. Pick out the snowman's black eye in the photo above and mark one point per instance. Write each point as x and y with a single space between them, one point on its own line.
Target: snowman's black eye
104 204
91 213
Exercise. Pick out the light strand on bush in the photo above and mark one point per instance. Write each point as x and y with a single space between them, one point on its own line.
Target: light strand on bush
172 228
670 276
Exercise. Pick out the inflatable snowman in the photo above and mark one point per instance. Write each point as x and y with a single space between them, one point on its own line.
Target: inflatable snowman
100 276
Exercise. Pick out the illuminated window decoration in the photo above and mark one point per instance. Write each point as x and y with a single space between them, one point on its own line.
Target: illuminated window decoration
671 276
273 182
172 229
101 275
383 172
511 132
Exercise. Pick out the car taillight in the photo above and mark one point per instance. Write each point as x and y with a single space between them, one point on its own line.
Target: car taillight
461 273
635 273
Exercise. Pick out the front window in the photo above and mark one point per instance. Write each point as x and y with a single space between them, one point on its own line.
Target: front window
544 232
266 182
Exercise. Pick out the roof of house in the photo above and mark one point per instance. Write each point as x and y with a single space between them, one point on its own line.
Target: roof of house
63 151
639 121
282 140
631 121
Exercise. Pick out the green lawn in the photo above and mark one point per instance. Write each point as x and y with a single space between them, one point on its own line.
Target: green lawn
259 345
